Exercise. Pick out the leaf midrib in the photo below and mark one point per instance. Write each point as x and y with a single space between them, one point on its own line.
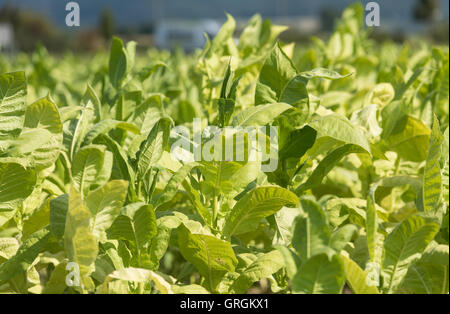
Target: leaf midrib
247 214
406 244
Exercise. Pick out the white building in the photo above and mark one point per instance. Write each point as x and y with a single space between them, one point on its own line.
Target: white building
188 35
6 37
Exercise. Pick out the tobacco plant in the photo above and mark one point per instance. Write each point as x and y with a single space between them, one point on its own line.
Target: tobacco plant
92 200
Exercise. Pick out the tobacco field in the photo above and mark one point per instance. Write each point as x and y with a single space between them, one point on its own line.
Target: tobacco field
91 200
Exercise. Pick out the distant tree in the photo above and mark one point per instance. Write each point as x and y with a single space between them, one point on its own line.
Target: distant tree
31 28
107 24
10 14
426 10
328 16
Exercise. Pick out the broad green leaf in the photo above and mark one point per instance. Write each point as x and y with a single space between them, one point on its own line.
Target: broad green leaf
87 167
57 281
136 223
260 115
405 245
91 96
311 232
291 260
400 180
8 248
266 265
27 142
223 43
436 254
25 255
250 37
105 265
16 184
79 243
409 138
189 289
283 221
226 108
126 103
121 166
13 91
320 275
342 236
295 92
229 85
194 197
58 212
146 72
432 180
429 275
381 95
137 275
227 177
425 278
367 118
326 165
357 278
341 129
38 220
323 73
149 112
104 126
257 37
121 60
227 99
254 206
212 257
391 114
69 113
152 148
174 184
105 172
404 86
73 138
277 71
300 140
105 204
159 244
279 81
43 114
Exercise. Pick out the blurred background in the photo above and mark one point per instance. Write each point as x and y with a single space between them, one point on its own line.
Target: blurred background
168 23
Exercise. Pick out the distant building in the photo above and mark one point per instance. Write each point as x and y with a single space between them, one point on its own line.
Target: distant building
188 35
6 37
303 24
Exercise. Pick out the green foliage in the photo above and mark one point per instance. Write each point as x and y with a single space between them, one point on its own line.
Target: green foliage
211 256
13 93
358 201
257 204
319 274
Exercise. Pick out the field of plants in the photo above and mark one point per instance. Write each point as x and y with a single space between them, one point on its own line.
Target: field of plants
92 199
